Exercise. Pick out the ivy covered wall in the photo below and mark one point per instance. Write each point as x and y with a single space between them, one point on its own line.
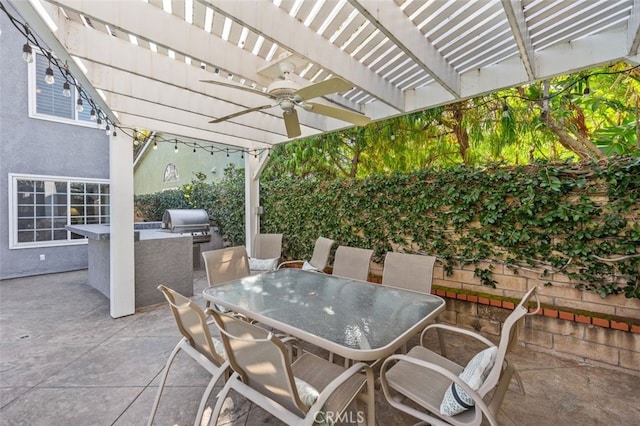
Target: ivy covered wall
580 220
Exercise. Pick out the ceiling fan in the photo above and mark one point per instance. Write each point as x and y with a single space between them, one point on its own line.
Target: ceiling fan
288 95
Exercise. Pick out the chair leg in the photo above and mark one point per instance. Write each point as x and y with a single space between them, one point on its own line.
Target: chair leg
519 381
220 400
443 350
371 398
162 381
207 392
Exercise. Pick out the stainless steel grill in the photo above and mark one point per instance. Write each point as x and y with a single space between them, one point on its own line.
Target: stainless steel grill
192 221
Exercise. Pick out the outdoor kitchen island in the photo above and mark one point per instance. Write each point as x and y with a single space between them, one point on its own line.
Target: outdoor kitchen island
161 257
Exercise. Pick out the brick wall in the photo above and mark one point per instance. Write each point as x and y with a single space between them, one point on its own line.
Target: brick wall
574 323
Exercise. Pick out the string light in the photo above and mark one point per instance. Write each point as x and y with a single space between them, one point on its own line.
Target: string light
49 77
27 53
211 147
505 110
107 129
48 74
92 116
66 90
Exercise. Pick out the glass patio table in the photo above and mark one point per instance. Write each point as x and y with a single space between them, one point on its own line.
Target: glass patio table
358 320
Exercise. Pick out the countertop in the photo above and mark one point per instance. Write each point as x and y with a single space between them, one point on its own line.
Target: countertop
103 232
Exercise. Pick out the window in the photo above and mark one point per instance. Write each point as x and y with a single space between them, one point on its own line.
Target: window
42 206
47 102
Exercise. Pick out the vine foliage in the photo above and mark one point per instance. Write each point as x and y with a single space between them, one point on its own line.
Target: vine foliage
578 219
581 220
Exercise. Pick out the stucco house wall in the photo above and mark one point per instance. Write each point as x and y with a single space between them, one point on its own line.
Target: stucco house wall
35 146
149 168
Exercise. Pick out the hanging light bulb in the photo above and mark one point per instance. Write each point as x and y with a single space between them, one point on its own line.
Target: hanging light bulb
242 155
66 90
79 106
194 150
505 111
107 129
212 153
27 53
93 115
99 122
227 152
114 132
175 148
155 146
48 75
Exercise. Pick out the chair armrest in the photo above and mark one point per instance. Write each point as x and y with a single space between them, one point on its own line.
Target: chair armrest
479 402
291 342
338 381
288 262
455 330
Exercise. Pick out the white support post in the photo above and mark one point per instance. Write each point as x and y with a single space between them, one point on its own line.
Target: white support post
121 255
252 200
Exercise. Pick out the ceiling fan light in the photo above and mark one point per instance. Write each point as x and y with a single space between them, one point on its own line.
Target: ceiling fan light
286 105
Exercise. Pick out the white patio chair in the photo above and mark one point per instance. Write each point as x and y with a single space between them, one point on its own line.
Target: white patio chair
304 392
319 258
196 342
408 271
224 265
447 392
267 250
352 262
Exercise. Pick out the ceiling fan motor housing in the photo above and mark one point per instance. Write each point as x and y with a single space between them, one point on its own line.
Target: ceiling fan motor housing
282 88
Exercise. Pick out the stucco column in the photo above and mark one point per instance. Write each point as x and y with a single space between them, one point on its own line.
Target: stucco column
252 199
122 261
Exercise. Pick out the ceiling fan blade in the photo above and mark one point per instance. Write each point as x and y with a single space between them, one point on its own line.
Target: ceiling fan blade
339 113
235 114
239 87
291 123
325 87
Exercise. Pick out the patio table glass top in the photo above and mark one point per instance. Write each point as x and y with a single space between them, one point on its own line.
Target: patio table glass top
355 319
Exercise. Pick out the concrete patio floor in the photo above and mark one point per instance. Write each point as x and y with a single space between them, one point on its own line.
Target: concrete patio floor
65 361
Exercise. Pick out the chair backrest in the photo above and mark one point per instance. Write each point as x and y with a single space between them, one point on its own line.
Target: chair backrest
352 262
226 264
192 324
408 271
261 360
321 252
508 339
267 246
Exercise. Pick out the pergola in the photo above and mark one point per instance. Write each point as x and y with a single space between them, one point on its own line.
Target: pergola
142 62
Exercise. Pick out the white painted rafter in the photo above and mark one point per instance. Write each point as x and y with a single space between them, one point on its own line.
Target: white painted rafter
633 31
170 31
394 24
275 24
517 21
